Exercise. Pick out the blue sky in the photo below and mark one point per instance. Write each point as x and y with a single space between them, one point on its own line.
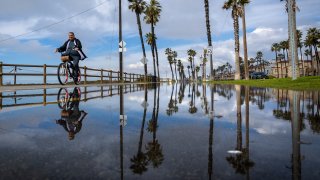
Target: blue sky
181 27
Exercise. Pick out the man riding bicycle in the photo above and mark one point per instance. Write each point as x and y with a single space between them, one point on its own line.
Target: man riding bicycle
73 48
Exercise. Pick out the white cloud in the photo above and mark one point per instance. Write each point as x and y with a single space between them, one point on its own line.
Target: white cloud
180 20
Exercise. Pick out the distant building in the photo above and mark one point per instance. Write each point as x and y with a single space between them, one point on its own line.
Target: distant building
283 68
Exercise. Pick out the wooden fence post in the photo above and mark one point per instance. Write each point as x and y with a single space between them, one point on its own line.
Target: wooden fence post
85 94
0 100
15 75
85 74
110 76
101 80
44 74
1 79
44 97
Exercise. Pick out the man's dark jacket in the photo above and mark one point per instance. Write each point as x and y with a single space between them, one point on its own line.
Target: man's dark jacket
63 48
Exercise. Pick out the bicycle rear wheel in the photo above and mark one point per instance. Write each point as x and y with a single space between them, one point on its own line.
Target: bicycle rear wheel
63 73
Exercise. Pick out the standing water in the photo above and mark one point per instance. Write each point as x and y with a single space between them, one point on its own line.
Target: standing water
169 131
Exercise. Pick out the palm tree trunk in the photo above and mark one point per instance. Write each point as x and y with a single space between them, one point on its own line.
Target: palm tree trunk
157 58
154 60
311 60
206 7
175 70
277 63
244 29
237 46
302 62
142 45
153 49
317 57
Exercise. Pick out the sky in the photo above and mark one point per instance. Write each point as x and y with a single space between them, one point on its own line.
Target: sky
43 25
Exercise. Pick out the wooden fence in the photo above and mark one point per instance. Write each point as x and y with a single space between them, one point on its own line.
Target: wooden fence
103 91
102 75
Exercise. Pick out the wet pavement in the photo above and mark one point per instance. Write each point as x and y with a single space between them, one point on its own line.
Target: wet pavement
171 131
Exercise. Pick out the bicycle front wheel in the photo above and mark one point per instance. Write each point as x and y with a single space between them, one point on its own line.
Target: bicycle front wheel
63 73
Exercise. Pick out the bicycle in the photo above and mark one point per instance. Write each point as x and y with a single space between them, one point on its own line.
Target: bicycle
64 72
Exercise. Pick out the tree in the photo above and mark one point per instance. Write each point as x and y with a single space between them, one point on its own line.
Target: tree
138 6
150 40
152 16
236 11
206 7
259 60
192 53
276 48
244 29
284 45
168 52
300 45
175 55
313 37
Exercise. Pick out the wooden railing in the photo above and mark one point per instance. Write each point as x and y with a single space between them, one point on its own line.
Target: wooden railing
104 91
102 75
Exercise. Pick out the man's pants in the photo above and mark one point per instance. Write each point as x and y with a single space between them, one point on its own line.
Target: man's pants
75 58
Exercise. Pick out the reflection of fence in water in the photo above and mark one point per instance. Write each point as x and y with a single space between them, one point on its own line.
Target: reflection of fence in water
103 91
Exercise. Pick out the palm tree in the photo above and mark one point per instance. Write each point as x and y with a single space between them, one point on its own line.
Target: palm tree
192 53
175 55
313 36
259 60
284 45
275 48
204 64
206 7
236 11
150 39
307 53
152 15
299 45
138 6
244 29
168 52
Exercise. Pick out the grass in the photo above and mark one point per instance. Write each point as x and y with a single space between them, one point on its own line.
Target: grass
303 83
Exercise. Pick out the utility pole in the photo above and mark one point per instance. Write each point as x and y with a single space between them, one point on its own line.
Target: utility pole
122 117
293 39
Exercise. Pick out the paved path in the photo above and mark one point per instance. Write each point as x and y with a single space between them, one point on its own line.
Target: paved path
30 87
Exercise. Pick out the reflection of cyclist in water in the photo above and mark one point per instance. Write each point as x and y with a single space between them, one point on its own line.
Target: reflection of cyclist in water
71 117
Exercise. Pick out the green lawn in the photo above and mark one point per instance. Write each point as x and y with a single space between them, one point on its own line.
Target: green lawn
303 83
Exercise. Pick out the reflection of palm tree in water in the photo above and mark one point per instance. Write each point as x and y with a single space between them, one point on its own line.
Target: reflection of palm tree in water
71 116
181 92
154 149
193 109
140 161
241 162
171 103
